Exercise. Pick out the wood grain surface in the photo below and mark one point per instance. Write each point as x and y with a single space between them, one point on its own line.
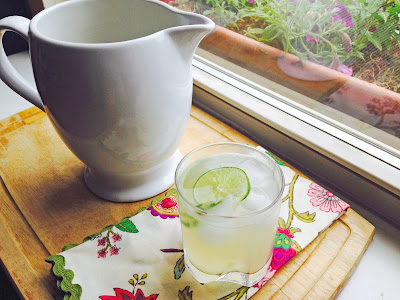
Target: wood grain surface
44 205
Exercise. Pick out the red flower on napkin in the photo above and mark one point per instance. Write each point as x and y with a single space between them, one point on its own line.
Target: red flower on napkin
166 208
121 294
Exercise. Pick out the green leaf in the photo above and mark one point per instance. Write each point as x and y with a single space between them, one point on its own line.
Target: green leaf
179 267
207 12
384 15
394 11
306 217
142 209
185 294
375 42
271 32
170 192
358 54
126 225
397 38
70 246
144 276
298 247
286 45
156 200
256 30
188 220
131 282
238 294
384 31
388 43
136 276
293 230
374 5
282 223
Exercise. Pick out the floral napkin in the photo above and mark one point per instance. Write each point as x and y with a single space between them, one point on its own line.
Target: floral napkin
142 258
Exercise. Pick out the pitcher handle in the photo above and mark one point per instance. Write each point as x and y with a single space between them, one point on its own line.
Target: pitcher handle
8 74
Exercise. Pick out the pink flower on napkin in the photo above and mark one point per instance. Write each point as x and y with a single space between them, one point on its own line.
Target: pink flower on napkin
116 237
271 272
102 241
102 253
325 199
114 250
105 241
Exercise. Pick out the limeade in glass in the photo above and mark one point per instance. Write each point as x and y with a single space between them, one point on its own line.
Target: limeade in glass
229 198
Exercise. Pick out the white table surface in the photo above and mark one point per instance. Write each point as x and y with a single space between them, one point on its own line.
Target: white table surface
376 277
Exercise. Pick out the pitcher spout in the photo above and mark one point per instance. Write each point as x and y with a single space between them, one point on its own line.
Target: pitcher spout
194 27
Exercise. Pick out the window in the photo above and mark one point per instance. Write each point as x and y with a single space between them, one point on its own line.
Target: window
315 81
338 58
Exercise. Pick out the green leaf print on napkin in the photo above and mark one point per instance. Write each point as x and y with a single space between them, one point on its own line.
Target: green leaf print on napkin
179 267
126 225
185 294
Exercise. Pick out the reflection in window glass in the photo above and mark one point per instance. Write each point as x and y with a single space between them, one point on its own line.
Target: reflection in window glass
343 55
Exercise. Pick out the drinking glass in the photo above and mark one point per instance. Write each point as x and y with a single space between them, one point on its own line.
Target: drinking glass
229 239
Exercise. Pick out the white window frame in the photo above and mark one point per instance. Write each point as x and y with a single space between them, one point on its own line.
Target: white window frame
333 155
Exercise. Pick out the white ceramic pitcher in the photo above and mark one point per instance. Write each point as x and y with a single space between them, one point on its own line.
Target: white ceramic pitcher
114 77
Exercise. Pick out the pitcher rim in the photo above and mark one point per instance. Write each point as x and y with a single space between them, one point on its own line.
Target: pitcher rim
33 30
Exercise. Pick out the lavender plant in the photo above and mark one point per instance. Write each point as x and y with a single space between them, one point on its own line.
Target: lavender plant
324 31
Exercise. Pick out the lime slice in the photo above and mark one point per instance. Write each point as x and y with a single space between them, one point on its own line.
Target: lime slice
187 220
214 185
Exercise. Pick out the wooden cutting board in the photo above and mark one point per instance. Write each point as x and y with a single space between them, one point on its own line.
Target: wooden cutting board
47 205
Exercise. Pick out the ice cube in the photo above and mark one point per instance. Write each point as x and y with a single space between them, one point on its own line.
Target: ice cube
226 207
256 200
203 194
256 171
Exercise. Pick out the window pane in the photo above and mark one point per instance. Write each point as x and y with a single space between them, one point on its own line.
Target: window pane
339 58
